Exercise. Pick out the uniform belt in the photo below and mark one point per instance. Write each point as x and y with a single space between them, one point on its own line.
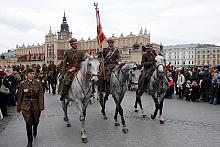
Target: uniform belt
31 97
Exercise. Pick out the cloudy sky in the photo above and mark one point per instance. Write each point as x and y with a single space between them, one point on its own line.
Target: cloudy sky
169 21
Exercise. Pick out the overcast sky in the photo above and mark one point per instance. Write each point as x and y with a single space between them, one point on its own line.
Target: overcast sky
169 21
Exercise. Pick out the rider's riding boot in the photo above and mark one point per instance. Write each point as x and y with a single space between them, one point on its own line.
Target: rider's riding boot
62 97
64 93
147 82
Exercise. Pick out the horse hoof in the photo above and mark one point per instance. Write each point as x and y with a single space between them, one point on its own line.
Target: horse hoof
144 115
125 130
117 124
68 125
152 116
162 122
84 140
136 110
65 119
105 117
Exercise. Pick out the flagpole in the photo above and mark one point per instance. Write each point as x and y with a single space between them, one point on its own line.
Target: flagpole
102 67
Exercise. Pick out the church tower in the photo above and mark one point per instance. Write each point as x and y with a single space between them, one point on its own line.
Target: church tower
64 33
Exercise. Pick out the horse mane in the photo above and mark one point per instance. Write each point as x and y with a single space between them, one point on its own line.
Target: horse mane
119 67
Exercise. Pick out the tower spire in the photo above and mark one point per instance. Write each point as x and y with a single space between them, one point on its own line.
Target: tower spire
64 25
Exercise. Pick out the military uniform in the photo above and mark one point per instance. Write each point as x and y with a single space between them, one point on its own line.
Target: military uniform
148 62
72 58
30 101
52 76
111 58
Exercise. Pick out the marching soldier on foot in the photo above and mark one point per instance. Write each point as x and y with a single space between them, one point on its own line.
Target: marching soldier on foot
71 64
30 102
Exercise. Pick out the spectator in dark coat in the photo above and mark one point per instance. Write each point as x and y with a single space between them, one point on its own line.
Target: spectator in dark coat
195 92
4 98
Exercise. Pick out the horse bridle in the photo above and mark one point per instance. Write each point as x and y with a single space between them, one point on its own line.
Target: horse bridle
123 74
89 75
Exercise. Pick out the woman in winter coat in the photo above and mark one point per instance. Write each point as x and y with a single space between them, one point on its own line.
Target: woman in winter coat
180 83
4 98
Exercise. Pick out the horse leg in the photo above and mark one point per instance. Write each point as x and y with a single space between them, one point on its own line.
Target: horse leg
49 84
102 102
82 120
65 106
124 128
161 111
116 117
156 107
136 102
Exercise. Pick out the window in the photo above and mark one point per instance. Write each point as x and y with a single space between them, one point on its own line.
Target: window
192 62
50 51
189 62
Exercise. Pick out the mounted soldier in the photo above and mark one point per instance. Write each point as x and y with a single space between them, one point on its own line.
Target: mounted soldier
148 63
71 64
111 58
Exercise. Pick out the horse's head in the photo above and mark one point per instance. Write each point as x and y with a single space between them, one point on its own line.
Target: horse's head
92 68
134 77
126 68
160 64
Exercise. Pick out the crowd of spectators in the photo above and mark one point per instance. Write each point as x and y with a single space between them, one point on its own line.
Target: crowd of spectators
194 84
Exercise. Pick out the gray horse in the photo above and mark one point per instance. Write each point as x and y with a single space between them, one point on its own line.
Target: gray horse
158 86
80 91
118 87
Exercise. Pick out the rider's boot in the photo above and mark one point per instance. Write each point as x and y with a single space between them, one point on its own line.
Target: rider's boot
64 93
62 97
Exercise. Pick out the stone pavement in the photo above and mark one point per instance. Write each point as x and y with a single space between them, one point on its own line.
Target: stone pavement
187 124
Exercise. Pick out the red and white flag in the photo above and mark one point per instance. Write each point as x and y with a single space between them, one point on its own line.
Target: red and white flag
100 34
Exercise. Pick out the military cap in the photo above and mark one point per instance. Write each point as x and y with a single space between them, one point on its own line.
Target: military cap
29 70
110 40
73 40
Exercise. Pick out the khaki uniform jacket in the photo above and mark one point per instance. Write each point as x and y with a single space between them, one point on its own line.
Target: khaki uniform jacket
69 61
30 97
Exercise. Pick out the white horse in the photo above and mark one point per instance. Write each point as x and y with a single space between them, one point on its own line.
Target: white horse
80 91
